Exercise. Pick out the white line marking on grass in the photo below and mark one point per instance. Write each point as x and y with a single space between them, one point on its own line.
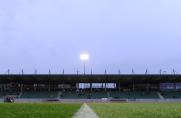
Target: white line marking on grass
85 112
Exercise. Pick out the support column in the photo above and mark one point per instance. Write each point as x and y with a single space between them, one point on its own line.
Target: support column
49 87
105 87
21 88
1 87
35 87
91 87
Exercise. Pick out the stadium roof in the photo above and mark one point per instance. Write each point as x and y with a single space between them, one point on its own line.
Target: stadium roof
108 78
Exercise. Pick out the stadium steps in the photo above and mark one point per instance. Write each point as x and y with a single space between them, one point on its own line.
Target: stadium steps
19 96
59 94
160 96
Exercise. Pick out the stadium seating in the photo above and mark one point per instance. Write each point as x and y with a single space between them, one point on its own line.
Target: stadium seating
93 95
72 95
83 95
134 95
1 94
146 95
171 94
98 95
114 94
43 94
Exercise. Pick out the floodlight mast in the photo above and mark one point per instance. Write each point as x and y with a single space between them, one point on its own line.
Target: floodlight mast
84 68
84 57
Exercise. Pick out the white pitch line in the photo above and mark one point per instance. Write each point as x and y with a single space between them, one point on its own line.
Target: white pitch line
85 112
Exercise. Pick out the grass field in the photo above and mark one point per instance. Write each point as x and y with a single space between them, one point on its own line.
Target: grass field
38 110
137 110
106 110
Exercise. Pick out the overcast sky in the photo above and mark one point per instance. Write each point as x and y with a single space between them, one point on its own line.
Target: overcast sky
118 34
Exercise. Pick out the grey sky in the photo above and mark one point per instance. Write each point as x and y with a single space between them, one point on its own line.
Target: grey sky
118 34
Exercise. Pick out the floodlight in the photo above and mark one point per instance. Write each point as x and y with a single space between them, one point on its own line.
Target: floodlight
84 56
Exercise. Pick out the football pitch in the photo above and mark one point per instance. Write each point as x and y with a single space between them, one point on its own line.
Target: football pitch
103 110
138 110
38 110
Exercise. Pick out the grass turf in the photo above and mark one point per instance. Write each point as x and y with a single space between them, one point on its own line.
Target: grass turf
38 110
137 110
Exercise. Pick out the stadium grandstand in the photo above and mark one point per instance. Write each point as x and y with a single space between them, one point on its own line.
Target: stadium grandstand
109 87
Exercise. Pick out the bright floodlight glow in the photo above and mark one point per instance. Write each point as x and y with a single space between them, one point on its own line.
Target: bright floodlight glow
84 56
